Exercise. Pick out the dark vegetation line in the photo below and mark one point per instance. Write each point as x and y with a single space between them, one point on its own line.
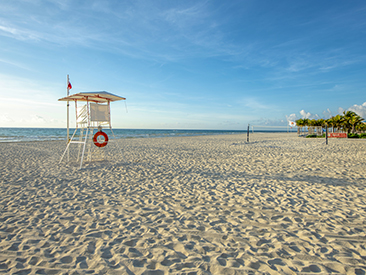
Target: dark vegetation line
349 123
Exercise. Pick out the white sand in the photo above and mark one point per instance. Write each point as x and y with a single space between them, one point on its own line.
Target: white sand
193 205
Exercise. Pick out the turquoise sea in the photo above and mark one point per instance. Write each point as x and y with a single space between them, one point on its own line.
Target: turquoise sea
48 134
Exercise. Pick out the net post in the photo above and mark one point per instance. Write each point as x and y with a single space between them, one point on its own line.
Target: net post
68 115
248 134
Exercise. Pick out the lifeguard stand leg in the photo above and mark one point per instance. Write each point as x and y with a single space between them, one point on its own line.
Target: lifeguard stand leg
82 155
68 144
80 140
90 144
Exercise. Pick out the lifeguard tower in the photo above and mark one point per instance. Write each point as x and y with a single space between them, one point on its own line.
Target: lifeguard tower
94 115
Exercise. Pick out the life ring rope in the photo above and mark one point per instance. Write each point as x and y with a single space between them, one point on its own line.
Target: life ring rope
97 142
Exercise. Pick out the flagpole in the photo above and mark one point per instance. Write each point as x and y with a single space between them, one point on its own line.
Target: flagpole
68 105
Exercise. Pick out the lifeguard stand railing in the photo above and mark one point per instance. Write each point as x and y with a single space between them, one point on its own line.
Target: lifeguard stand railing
94 115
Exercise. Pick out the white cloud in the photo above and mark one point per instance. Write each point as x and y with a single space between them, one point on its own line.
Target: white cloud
8 30
37 119
327 114
31 120
269 122
291 117
254 103
305 114
6 118
359 109
15 64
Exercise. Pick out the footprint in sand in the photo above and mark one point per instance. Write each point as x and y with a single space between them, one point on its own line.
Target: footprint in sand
66 259
311 268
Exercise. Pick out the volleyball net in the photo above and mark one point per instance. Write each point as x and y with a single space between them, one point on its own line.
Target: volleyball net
266 128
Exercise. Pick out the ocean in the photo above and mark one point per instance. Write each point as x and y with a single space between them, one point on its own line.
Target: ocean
49 134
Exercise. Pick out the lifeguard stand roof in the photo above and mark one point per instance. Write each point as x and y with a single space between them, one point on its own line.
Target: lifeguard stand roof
101 96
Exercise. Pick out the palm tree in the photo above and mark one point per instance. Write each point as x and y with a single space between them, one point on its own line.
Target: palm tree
311 123
318 125
348 122
351 120
331 121
338 120
361 127
355 121
300 123
321 122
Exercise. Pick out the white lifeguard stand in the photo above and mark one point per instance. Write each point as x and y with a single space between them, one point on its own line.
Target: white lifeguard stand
94 115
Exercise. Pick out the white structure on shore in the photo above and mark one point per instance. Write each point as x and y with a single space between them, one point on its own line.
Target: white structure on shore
94 115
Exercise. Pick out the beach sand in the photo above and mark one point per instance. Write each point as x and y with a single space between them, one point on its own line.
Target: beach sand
279 204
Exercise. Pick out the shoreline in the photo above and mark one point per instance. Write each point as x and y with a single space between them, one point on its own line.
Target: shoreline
48 134
208 135
202 204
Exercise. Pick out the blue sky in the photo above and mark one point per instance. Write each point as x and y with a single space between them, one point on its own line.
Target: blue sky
183 64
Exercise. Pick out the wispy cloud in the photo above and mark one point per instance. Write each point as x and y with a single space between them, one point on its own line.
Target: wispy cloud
19 33
158 31
16 64
179 57
255 104
27 102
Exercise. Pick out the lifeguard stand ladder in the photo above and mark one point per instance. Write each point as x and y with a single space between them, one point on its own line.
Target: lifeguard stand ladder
94 115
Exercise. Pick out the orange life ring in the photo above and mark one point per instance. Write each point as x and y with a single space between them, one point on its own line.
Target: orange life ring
95 139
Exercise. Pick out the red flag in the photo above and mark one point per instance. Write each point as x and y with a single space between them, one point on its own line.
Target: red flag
69 86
